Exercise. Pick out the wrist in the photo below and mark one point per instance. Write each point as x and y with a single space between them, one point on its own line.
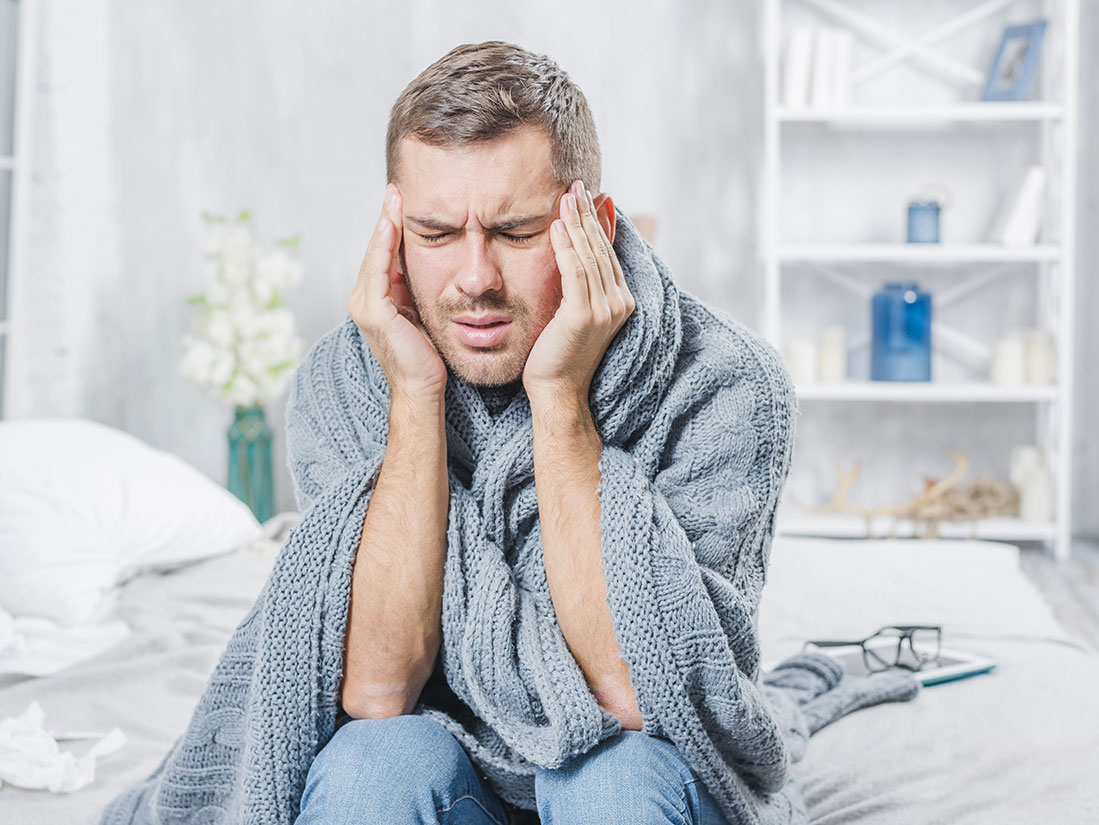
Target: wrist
561 412
558 397
416 405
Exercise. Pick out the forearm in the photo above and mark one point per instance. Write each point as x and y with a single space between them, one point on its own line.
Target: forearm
394 624
567 449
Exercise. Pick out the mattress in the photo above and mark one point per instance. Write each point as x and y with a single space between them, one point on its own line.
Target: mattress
147 685
1019 744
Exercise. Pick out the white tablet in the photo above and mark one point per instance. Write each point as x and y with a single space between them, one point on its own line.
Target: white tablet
953 664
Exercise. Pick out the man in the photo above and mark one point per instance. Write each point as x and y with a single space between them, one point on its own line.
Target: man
484 264
538 484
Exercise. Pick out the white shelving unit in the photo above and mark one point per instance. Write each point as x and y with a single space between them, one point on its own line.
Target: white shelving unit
17 24
917 253
957 112
1051 260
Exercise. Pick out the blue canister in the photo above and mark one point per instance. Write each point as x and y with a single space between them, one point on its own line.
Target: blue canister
923 221
901 325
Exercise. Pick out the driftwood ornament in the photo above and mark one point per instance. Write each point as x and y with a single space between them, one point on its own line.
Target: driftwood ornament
941 500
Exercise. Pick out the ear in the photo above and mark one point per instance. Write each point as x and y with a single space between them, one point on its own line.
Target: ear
604 211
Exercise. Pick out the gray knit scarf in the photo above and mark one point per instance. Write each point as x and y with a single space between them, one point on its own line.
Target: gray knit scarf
696 415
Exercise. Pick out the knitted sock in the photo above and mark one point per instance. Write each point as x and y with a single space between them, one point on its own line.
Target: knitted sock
806 675
856 692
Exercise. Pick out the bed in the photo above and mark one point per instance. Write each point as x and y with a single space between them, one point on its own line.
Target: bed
1019 744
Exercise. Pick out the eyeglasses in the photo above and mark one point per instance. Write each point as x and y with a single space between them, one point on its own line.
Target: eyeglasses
885 648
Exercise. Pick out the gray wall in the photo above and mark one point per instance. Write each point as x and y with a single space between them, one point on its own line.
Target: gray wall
146 114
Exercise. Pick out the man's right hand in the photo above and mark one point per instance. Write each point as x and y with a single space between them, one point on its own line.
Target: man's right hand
381 306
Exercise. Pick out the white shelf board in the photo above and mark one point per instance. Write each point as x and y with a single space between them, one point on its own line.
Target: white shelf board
851 525
926 391
918 252
977 111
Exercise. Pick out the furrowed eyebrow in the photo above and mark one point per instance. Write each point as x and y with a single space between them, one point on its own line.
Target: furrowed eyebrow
518 221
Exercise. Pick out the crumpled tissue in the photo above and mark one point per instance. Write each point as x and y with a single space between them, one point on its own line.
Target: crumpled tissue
31 758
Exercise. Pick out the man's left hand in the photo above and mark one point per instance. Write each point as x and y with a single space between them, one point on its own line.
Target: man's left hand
595 303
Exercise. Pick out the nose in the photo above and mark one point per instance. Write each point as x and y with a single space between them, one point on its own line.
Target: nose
481 273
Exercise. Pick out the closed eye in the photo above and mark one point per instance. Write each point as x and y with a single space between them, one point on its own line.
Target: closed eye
441 235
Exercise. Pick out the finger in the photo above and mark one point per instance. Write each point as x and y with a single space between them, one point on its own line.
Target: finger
574 278
394 210
378 260
598 242
582 249
619 275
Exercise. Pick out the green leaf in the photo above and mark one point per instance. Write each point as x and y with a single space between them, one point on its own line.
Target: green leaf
196 300
245 215
291 241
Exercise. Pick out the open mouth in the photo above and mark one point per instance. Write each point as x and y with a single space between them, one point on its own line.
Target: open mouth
482 335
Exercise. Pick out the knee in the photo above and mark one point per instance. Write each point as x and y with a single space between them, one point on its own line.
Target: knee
611 781
381 759
406 738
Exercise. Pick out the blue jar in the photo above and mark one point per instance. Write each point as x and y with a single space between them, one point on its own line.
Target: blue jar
923 221
901 326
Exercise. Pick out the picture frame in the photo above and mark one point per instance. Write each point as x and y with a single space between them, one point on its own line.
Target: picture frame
1011 75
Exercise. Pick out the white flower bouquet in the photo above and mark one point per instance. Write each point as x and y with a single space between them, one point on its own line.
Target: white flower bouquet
243 347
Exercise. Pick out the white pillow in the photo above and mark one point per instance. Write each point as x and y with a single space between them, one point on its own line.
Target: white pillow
84 507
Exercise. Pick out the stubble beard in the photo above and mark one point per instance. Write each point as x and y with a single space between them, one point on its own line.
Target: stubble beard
479 367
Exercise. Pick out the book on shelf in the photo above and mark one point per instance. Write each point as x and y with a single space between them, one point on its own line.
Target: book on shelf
816 70
1020 218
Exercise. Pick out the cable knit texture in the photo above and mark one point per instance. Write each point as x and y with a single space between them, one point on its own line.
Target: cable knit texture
696 414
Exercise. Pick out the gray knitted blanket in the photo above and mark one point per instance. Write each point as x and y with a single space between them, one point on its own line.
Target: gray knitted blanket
696 414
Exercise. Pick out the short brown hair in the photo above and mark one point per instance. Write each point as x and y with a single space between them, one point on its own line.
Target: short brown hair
480 91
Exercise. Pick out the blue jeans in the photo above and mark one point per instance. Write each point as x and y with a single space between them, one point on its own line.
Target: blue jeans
410 769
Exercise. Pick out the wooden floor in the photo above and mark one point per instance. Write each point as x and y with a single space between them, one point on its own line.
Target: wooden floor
1071 587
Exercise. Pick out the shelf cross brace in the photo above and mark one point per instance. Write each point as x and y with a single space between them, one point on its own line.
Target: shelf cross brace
917 49
945 337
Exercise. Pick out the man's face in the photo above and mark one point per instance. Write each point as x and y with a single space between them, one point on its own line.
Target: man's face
481 262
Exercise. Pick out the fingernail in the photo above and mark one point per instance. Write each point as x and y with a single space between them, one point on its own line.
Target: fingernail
570 199
391 196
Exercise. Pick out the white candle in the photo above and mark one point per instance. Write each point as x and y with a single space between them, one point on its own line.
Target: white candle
1009 360
800 355
1036 502
833 354
1039 357
1025 458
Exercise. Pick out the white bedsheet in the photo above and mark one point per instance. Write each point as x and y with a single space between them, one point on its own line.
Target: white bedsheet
33 646
1018 745
147 685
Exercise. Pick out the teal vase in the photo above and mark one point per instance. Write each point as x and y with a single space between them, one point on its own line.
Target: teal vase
250 476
